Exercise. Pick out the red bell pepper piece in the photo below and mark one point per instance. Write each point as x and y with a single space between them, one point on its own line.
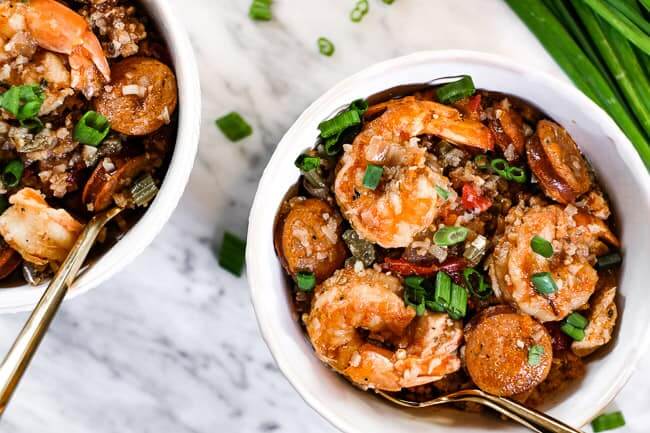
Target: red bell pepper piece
473 200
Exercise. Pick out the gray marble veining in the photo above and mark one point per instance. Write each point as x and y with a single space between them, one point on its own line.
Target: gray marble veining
171 344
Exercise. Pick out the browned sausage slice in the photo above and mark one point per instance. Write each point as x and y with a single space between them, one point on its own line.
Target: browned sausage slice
311 238
497 354
142 96
9 260
102 185
557 163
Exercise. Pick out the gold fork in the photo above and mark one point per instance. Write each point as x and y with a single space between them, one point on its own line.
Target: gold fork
534 420
16 361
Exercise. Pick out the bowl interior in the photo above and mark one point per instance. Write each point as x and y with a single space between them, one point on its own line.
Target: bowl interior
143 232
619 170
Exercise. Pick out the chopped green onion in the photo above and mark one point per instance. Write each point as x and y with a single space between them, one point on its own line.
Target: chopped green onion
306 281
23 102
609 261
535 354
4 203
389 2
12 173
339 123
443 193
478 287
260 10
577 320
608 421
307 163
356 15
234 127
481 161
332 145
544 283
576 333
517 174
447 236
541 246
458 306
442 295
359 105
500 166
144 190
91 129
414 297
326 47
373 176
363 6
414 281
452 92
232 254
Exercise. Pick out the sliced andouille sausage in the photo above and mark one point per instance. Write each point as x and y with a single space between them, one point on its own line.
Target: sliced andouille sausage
508 128
9 260
557 163
109 177
142 96
498 358
484 314
311 238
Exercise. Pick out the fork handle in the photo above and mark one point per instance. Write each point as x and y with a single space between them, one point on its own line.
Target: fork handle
17 359
531 418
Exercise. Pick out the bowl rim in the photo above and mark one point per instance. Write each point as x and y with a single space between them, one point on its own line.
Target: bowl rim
258 211
173 185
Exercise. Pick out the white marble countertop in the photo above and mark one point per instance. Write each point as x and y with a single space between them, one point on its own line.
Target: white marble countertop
171 344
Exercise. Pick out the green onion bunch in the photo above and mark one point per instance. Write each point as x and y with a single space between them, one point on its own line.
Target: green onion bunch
604 47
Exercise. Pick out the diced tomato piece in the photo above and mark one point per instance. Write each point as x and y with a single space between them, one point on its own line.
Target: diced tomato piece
473 200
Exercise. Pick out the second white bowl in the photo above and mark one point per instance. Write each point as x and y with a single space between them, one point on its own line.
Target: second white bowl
618 168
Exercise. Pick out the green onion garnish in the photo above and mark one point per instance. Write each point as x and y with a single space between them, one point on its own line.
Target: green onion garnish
234 126
232 254
373 176
414 281
325 46
458 305
535 354
500 166
450 236
306 281
544 283
541 246
260 10
576 333
452 92
609 261
144 190
359 11
4 203
12 173
363 6
577 320
414 296
481 161
476 283
339 123
23 102
517 174
91 129
608 421
389 2
443 193
307 163
442 294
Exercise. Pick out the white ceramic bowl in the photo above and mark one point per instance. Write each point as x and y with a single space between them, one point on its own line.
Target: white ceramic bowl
618 167
142 234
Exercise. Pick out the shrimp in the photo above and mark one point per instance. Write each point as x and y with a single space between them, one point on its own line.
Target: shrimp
39 233
602 319
350 304
575 238
406 201
55 28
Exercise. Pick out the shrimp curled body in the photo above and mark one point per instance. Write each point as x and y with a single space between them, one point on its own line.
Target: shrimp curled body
575 239
348 302
405 202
